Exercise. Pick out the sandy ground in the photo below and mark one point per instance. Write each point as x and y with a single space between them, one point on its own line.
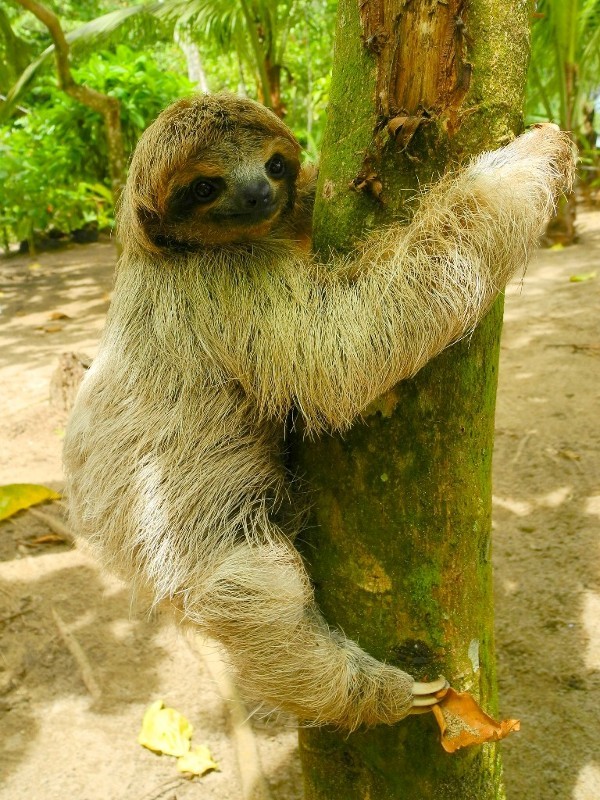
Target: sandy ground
60 743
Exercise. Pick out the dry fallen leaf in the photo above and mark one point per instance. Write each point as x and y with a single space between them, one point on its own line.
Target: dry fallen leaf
197 761
403 129
47 538
165 730
569 455
58 315
462 722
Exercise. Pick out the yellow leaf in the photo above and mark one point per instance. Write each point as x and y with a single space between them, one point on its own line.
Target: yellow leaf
165 730
584 276
198 761
17 496
35 265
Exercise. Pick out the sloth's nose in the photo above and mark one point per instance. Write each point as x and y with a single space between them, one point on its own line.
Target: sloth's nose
257 194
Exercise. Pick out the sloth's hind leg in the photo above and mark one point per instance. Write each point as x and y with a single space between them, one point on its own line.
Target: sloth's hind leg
256 599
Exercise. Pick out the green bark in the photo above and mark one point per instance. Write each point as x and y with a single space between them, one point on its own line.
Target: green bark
399 548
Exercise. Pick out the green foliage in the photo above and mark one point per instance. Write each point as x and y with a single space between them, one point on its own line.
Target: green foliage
53 161
53 158
305 88
138 82
565 61
239 38
132 24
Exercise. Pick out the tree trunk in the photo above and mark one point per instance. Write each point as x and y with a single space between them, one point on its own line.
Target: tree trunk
191 51
274 73
562 227
399 545
110 108
18 51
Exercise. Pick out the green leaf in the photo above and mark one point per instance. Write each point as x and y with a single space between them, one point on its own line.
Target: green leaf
17 496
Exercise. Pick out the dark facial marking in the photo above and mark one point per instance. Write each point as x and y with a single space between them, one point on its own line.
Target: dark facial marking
276 167
200 191
205 190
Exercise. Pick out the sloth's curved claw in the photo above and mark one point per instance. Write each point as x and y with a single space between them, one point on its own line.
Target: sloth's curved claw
428 694
430 688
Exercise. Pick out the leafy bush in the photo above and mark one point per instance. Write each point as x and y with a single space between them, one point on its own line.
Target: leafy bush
53 161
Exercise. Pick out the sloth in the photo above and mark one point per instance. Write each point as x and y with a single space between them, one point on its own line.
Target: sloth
223 323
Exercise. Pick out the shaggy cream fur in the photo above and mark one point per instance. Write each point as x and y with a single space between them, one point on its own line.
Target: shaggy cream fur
173 450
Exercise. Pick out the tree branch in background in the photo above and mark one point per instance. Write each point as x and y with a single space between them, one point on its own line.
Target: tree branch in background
108 107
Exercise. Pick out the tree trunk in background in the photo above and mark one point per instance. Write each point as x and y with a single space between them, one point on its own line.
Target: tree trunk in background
561 228
110 108
399 545
191 51
18 51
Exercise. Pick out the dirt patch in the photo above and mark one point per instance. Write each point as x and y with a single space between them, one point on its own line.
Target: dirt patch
58 742
547 509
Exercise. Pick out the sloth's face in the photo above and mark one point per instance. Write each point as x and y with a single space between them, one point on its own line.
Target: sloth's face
234 192
212 170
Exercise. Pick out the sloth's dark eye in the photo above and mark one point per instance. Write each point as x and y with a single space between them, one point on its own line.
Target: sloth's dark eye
204 191
276 167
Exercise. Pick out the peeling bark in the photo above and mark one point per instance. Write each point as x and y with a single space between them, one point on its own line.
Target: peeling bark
398 35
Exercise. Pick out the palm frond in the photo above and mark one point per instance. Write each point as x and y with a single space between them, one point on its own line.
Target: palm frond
221 19
565 59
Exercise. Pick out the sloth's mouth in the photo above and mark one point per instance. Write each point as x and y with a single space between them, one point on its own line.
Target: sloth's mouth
252 216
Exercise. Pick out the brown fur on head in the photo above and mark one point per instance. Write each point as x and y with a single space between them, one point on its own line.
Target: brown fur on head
211 170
